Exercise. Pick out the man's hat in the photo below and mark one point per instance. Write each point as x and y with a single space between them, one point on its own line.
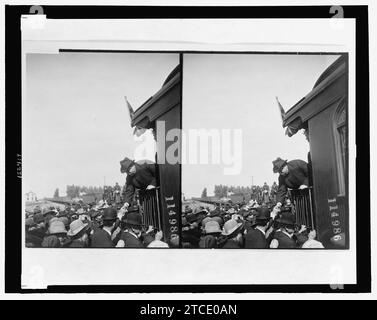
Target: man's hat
65 220
134 219
38 218
125 164
29 222
287 218
109 214
49 212
214 213
190 218
278 164
262 214
37 209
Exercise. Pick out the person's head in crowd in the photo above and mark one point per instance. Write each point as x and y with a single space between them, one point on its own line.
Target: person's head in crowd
65 221
39 220
57 228
79 231
204 221
109 218
233 231
134 223
212 227
287 221
48 215
37 209
262 217
219 220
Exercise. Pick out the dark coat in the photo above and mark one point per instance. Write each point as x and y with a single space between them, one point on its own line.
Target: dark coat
33 240
145 175
192 236
231 244
285 242
101 239
255 239
51 241
130 240
76 244
297 176
208 241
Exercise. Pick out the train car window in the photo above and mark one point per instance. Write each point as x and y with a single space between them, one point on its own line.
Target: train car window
341 145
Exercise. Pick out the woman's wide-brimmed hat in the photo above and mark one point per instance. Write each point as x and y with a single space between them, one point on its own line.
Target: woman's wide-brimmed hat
278 164
231 226
76 227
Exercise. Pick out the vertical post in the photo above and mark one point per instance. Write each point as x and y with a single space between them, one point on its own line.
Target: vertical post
311 208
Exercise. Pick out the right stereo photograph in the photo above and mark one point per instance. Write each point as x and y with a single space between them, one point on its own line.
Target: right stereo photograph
265 151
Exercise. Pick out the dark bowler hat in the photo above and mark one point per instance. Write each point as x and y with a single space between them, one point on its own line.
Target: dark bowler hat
214 213
191 218
109 214
262 214
278 164
49 213
125 164
38 218
287 218
133 209
134 219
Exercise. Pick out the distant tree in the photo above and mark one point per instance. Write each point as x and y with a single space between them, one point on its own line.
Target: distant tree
56 193
204 193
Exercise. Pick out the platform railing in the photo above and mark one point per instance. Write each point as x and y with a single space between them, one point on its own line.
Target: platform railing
302 200
150 207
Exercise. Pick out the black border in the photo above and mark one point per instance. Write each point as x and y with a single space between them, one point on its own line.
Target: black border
13 224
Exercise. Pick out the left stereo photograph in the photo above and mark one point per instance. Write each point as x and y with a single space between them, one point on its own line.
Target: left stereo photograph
98 169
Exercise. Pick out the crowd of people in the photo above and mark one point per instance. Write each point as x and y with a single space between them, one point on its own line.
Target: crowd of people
114 193
250 226
101 225
268 220
265 193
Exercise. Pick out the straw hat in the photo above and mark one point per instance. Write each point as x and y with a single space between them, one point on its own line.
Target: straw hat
212 227
57 226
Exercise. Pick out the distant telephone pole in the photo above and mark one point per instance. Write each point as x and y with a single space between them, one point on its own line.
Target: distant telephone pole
252 181
104 181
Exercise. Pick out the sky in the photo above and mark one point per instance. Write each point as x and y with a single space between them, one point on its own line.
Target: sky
75 124
238 92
